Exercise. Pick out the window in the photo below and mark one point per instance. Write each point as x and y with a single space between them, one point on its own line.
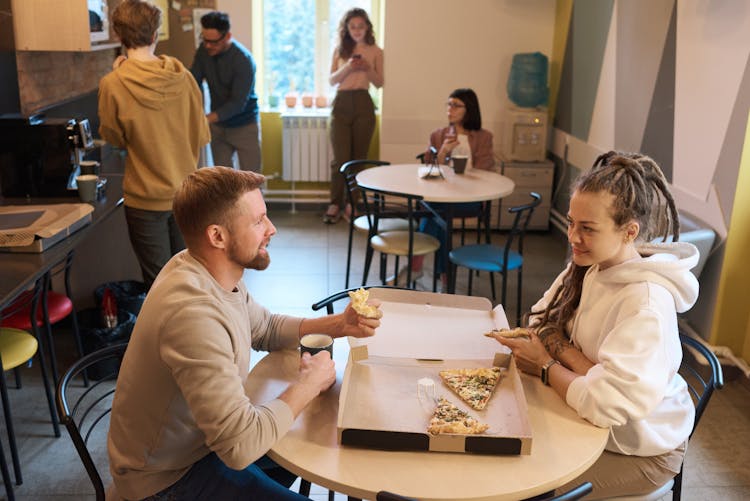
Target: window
293 41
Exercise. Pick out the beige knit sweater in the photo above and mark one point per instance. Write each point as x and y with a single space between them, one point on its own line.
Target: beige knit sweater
180 392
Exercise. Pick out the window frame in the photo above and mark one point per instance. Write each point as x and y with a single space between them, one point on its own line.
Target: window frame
323 50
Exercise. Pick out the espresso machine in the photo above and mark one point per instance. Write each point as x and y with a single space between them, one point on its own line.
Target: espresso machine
40 156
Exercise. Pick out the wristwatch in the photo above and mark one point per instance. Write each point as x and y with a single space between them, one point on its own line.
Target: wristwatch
545 371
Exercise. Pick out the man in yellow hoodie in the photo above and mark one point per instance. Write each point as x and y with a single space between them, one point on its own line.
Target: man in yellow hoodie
151 106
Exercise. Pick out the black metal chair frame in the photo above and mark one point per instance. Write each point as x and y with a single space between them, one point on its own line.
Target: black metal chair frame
46 284
700 386
82 415
517 232
327 303
376 208
33 297
575 493
9 493
482 215
350 170
390 496
572 495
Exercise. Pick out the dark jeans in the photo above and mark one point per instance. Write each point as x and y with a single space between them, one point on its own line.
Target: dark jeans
211 479
155 238
429 226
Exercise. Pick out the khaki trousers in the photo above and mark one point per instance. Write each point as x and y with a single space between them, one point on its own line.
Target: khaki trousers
619 475
351 128
245 140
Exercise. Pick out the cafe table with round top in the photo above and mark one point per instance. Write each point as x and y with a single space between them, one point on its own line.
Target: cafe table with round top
563 447
443 185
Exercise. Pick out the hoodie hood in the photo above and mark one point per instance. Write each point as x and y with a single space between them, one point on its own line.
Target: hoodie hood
153 83
665 264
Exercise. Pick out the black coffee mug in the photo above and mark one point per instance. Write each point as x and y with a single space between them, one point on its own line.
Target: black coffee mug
459 164
314 343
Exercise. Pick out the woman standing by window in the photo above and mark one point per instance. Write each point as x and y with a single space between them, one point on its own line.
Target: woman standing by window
357 62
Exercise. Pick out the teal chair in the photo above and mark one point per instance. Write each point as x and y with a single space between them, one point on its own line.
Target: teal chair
495 259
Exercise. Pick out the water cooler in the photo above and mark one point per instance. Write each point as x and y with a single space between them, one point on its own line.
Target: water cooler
525 138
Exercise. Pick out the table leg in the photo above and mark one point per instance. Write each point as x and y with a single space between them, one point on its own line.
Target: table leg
443 216
448 247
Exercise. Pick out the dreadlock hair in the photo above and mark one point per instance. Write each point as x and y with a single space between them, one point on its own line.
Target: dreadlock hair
640 193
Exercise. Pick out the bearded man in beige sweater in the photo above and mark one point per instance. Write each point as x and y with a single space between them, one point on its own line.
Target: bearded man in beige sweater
182 426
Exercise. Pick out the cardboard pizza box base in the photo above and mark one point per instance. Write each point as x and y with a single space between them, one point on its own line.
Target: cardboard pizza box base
379 406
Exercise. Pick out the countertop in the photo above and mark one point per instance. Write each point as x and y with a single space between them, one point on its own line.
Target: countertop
19 271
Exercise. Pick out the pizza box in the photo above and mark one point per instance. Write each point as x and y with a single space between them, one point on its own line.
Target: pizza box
422 333
36 228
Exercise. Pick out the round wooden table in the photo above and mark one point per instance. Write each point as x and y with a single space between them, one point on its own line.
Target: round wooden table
563 446
475 185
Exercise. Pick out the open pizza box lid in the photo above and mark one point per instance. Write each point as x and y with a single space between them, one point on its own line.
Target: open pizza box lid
422 333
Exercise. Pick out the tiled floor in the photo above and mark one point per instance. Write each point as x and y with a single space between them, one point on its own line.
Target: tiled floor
308 261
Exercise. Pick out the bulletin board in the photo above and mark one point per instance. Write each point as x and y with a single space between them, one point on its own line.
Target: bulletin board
164 28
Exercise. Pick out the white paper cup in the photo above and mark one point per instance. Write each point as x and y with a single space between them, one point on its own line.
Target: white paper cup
314 343
87 187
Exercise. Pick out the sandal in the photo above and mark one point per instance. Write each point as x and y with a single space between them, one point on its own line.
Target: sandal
332 215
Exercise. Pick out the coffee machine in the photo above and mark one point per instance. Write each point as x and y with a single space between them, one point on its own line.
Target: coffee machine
40 156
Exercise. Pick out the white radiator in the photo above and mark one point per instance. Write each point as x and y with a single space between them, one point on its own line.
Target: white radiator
306 148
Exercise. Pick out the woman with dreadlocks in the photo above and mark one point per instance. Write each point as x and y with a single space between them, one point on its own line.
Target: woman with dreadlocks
605 336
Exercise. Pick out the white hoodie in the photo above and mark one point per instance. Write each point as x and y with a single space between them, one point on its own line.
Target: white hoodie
626 323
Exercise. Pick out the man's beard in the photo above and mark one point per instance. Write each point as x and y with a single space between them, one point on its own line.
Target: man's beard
259 262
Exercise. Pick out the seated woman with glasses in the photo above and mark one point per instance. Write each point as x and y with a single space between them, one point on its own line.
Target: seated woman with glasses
463 136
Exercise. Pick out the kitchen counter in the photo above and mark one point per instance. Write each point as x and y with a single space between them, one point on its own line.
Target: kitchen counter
19 271
102 250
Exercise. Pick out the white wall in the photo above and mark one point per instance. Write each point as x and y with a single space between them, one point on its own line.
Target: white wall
434 46
240 15
713 47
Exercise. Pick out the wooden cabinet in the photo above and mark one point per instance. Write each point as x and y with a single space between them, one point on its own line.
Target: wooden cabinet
528 176
58 25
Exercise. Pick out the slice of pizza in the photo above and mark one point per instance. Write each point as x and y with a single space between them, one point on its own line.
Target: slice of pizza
474 386
510 333
359 303
450 419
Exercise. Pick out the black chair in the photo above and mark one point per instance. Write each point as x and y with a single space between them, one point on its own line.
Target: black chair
481 214
575 493
702 372
18 347
9 493
82 410
55 307
495 259
328 302
389 496
572 495
701 384
379 206
358 220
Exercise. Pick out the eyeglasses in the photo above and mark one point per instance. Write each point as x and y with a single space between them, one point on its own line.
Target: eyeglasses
453 104
213 42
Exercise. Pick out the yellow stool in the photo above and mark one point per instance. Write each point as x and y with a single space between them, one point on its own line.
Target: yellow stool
16 348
